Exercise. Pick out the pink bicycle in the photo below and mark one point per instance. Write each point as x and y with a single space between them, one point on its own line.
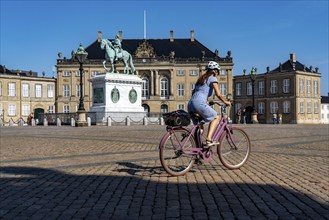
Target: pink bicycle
180 148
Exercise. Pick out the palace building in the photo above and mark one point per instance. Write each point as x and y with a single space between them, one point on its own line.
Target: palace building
291 89
23 92
169 68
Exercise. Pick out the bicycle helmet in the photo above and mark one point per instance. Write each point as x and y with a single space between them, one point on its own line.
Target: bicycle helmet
212 65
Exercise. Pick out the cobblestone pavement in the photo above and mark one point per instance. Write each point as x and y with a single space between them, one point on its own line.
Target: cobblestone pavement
114 173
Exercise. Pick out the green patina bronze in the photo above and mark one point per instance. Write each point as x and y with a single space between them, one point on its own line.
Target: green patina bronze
114 52
132 96
115 95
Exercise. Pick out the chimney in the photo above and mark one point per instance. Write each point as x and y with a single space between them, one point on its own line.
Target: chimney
99 38
171 36
292 57
192 35
120 35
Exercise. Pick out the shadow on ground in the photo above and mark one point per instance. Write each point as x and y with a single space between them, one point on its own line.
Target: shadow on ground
37 193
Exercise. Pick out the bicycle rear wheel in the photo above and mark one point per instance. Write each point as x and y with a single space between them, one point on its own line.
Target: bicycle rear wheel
233 153
173 159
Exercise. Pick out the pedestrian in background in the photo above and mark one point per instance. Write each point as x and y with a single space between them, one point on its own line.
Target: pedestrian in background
244 117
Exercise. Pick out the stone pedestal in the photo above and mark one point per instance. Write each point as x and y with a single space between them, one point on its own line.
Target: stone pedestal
81 119
117 96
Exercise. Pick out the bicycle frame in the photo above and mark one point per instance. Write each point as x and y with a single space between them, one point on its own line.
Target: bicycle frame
195 132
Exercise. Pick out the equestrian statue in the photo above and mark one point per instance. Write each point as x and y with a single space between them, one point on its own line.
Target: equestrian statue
114 53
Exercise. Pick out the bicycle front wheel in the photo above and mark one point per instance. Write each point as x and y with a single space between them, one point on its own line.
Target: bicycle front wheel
175 153
233 150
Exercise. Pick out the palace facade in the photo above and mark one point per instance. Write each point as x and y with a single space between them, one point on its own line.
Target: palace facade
169 68
291 89
23 92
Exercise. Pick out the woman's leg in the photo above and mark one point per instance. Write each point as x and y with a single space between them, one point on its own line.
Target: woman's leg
212 127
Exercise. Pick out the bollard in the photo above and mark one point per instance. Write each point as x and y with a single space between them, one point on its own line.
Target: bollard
109 121
89 121
45 122
32 122
161 121
128 121
145 120
72 122
58 122
20 122
1 123
11 122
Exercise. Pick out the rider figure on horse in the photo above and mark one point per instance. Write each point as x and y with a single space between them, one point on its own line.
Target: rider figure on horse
117 47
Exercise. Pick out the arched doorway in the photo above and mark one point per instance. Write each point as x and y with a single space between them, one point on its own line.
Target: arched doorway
38 113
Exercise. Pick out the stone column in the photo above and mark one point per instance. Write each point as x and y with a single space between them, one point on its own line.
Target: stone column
156 88
152 83
171 91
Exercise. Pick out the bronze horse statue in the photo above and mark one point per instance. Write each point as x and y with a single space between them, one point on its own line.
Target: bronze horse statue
110 56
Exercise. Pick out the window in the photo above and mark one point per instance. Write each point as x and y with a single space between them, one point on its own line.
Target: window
181 106
286 107
77 73
301 86
286 85
316 107
38 90
308 86
11 89
12 110
164 108
261 88
238 89
261 108
222 72
51 109
249 88
78 90
301 106
237 107
25 90
66 108
66 73
50 91
180 89
274 107
164 88
180 72
315 87
66 90
309 107
25 109
222 88
273 88
94 73
145 87
193 72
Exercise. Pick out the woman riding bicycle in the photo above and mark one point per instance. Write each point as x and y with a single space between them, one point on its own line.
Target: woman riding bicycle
198 103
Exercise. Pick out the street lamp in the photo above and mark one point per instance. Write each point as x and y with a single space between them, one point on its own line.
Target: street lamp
253 75
81 56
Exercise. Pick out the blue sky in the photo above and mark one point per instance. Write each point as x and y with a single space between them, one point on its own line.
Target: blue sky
258 33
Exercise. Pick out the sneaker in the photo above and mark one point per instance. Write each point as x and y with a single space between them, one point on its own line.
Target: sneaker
210 143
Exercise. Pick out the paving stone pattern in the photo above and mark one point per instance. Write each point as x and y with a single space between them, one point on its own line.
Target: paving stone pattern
114 172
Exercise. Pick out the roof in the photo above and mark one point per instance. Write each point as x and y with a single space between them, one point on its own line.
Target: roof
325 99
290 66
183 48
4 70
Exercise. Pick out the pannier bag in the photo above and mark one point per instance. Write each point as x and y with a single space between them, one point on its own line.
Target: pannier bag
177 118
